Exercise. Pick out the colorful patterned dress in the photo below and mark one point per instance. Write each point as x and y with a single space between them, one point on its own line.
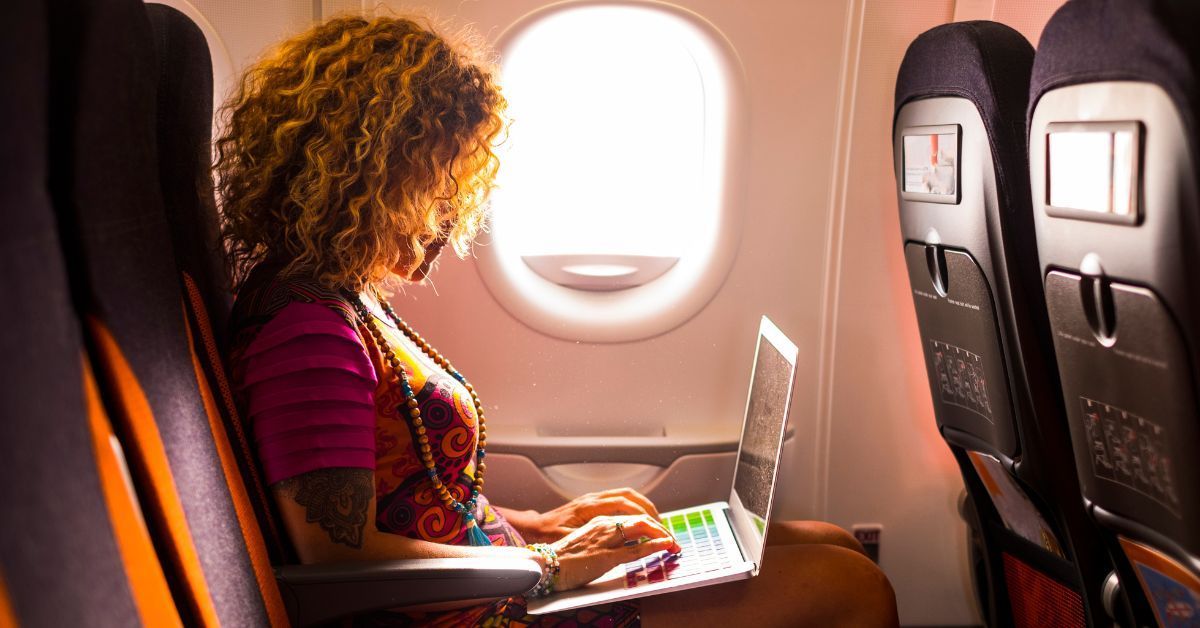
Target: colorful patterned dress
319 394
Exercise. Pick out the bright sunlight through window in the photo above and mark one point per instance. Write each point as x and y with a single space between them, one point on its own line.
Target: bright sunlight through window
616 145
613 218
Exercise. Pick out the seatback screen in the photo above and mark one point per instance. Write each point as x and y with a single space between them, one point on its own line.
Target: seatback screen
1093 170
931 161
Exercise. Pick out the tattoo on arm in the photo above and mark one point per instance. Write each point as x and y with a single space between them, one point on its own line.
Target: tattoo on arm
336 499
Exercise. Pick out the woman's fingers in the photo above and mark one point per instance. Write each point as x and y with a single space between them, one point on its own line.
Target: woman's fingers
637 528
601 544
646 505
642 550
614 506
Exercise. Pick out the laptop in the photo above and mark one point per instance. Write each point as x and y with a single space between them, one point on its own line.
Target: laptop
722 541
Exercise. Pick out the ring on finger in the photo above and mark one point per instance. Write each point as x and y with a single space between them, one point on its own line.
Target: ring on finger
626 541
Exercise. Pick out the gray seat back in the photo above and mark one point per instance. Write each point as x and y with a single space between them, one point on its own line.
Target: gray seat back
1114 171
961 173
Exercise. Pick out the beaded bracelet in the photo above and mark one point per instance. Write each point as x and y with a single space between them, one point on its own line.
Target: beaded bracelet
545 585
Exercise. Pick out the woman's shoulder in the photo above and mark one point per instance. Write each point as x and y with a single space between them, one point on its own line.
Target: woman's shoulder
267 290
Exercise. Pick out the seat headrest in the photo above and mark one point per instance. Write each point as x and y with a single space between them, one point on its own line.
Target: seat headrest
185 96
1089 41
988 64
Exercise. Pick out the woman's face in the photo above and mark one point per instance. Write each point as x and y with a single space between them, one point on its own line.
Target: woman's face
432 251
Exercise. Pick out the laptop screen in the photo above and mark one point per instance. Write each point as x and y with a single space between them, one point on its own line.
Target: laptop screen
762 435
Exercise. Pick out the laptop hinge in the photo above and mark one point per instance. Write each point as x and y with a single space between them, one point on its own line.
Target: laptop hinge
741 550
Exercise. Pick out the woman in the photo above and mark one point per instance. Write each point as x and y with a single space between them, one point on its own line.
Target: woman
353 153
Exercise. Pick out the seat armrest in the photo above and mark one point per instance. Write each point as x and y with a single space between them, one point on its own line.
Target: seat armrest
315 594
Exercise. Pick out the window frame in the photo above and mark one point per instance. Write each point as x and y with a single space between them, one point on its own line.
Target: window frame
670 298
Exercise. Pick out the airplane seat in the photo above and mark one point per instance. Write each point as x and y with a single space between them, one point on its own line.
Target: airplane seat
118 249
961 170
1113 112
73 548
184 134
310 594
185 79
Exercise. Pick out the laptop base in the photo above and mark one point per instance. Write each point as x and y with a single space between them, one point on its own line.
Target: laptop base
711 551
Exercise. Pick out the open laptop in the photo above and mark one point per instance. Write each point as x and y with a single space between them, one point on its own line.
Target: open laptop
722 541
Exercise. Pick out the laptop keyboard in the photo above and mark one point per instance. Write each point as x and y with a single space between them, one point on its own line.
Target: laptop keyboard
703 550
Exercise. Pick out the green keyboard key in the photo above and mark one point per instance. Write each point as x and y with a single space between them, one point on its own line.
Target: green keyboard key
696 519
708 518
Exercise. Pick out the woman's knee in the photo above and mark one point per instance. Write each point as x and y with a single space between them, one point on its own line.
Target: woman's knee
856 590
812 532
799 585
872 594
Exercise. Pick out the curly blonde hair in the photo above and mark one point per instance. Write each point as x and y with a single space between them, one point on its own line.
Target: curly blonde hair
351 148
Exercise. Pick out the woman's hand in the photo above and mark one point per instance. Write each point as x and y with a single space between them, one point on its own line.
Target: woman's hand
601 544
550 526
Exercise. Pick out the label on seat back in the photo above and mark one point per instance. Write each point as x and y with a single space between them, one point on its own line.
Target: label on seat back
1130 406
1015 508
962 345
1173 591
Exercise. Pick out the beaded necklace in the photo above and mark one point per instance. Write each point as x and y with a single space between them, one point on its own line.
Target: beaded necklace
475 536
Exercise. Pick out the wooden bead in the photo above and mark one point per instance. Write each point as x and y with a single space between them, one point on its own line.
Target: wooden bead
399 378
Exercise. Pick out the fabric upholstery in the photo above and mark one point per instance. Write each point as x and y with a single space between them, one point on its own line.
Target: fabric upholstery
59 560
184 127
1088 41
988 64
184 119
124 280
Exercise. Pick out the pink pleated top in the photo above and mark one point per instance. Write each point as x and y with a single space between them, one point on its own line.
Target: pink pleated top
310 391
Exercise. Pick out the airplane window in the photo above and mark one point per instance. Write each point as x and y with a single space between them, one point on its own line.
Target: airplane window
613 177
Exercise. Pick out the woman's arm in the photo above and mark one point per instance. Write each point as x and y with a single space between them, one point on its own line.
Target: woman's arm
329 515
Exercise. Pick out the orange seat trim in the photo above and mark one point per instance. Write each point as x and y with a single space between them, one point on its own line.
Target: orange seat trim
217 366
148 585
251 533
7 619
149 457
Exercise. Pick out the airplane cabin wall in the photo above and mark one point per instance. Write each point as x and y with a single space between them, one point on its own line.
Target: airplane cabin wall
247 28
820 254
695 376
